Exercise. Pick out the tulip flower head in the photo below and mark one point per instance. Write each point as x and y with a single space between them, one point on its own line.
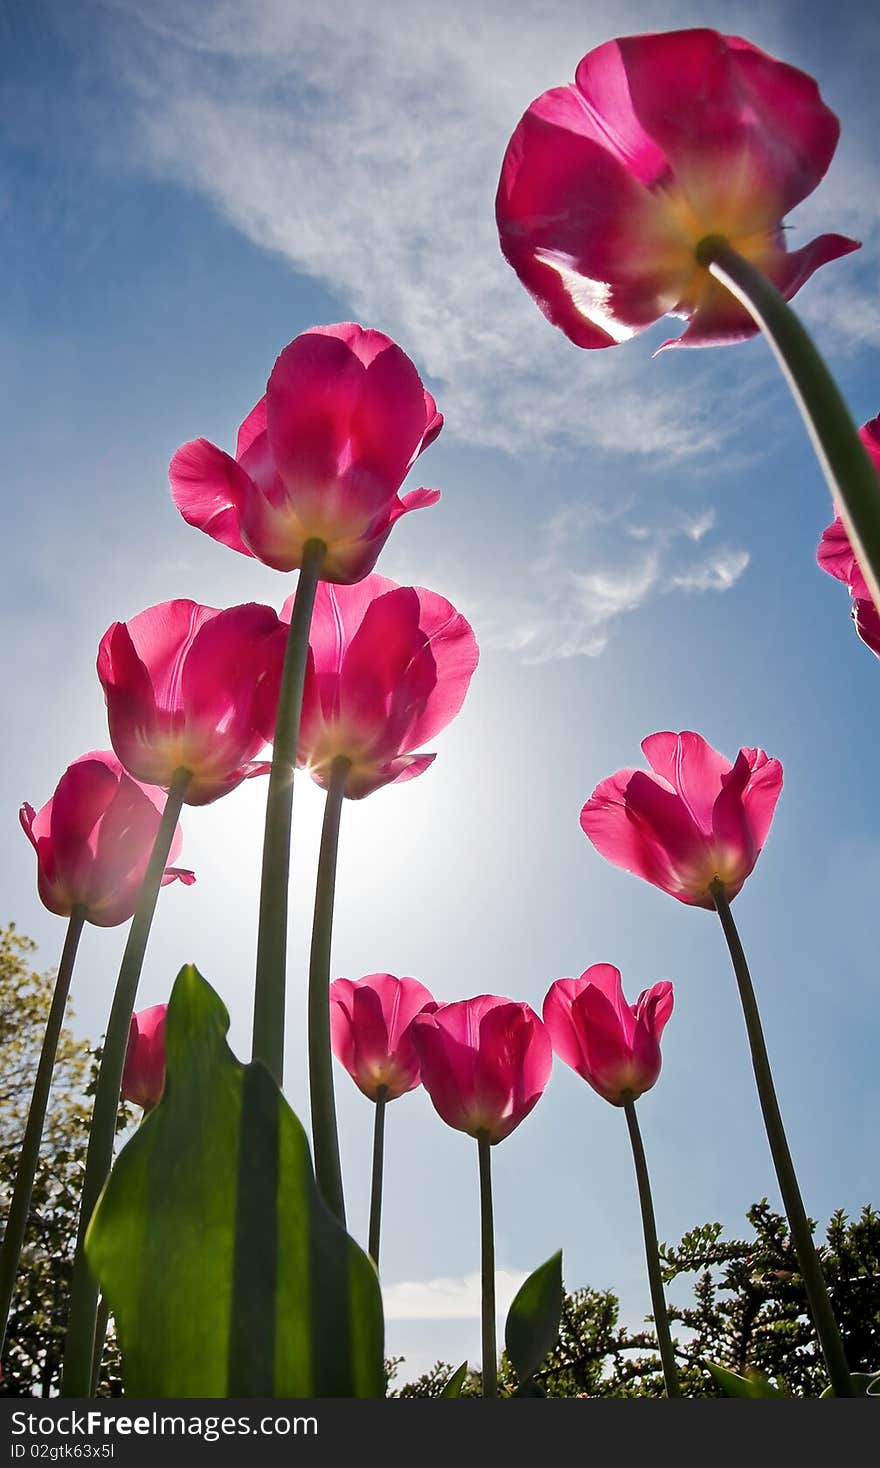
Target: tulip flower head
615 1046
610 184
321 457
369 1029
484 1063
836 556
191 687
93 841
694 820
388 668
143 1079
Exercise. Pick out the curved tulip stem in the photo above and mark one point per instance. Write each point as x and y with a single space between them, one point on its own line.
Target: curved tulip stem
801 1233
19 1208
325 1137
271 975
652 1254
487 1267
101 1324
80 1343
845 463
378 1164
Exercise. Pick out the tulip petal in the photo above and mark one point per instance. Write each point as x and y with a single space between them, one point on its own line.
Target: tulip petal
395 772
311 396
869 433
388 667
208 686
433 424
369 1023
27 816
484 1062
692 767
605 978
559 1022
390 420
514 1060
414 499
209 488
587 239
762 793
388 672
867 623
720 320
835 556
452 646
345 419
178 874
606 1047
161 639
251 429
448 1067
641 825
408 667
191 687
654 1007
745 131
131 711
83 797
94 838
336 617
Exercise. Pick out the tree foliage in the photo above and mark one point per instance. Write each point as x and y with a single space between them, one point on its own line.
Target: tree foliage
31 1361
747 1311
25 996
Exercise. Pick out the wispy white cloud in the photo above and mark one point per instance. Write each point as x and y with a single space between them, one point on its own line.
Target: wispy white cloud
448 1299
363 144
589 580
696 526
718 572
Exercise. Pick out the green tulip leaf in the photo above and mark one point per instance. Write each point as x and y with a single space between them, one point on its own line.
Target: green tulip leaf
456 1382
532 1328
226 1274
753 1385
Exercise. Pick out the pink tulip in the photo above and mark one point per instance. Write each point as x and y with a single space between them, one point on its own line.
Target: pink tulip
388 668
143 1079
195 688
369 1024
866 621
609 185
615 1046
694 821
93 841
321 457
484 1063
835 555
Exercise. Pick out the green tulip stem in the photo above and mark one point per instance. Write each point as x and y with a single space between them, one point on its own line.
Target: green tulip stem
487 1267
19 1208
80 1343
325 1137
102 1323
271 975
843 457
801 1233
378 1166
652 1253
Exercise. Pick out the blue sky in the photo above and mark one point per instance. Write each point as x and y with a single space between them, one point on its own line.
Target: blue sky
633 540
